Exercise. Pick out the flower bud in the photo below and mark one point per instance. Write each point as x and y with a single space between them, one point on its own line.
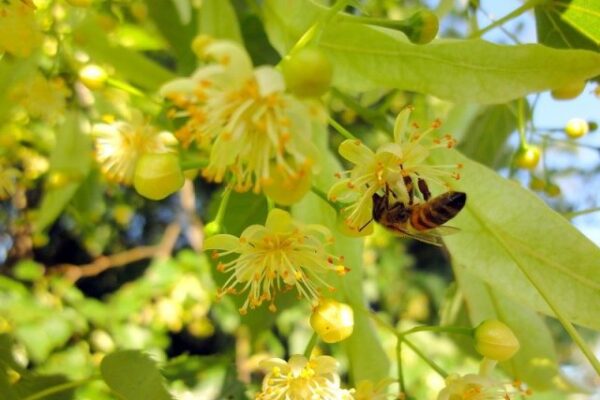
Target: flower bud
93 76
569 91
552 189
422 27
285 189
308 73
528 157
495 340
332 321
577 127
158 175
212 228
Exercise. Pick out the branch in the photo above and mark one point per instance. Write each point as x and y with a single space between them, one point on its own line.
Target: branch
162 250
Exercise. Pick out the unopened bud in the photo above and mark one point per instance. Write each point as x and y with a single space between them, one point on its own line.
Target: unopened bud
308 72
576 128
158 175
495 340
332 321
93 76
569 91
422 27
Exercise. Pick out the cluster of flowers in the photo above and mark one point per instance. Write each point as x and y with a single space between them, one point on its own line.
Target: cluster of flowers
258 137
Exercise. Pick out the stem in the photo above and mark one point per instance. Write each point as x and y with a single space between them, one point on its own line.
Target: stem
341 130
574 214
323 196
270 203
223 205
513 14
315 31
424 357
487 366
447 329
311 344
376 118
521 122
400 370
60 388
193 164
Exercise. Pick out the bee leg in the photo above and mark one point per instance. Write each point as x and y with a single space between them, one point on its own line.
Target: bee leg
408 183
424 189
365 225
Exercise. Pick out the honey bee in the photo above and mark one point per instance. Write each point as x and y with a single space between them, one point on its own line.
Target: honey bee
422 221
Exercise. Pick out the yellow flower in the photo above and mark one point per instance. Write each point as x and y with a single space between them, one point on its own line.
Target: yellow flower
278 256
8 181
475 387
392 165
42 98
253 128
19 32
367 390
119 145
302 379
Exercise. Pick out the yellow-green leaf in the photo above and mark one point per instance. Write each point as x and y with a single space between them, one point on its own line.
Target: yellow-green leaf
514 242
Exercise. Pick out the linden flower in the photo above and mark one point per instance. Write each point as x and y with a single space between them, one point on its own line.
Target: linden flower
42 98
302 379
119 145
367 390
252 127
278 256
391 166
474 387
8 178
19 32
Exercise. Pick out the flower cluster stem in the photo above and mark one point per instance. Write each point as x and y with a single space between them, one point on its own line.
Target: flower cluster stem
513 14
311 345
341 130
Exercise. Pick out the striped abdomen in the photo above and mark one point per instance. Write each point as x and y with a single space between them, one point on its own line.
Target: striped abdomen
437 211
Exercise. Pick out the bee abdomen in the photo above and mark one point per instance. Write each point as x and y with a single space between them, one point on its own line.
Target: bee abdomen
438 211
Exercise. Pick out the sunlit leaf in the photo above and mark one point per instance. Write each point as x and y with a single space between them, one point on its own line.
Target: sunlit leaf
568 24
506 231
131 65
178 35
218 19
132 375
70 161
366 57
486 135
536 360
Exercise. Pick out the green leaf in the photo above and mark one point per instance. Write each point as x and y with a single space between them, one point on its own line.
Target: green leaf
565 24
28 270
365 57
31 384
507 233
70 159
178 35
131 65
487 134
11 73
257 43
363 346
132 375
536 361
218 19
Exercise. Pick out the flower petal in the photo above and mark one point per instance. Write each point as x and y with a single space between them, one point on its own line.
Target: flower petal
221 242
401 124
279 221
269 80
354 151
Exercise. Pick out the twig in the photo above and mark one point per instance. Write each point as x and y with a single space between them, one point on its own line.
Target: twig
75 272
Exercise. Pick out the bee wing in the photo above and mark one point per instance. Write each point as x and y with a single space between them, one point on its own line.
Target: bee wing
431 236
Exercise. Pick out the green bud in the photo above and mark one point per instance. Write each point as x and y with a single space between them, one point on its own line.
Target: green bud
422 27
158 175
495 340
308 72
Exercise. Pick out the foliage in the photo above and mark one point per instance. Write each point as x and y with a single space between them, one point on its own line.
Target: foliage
184 185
